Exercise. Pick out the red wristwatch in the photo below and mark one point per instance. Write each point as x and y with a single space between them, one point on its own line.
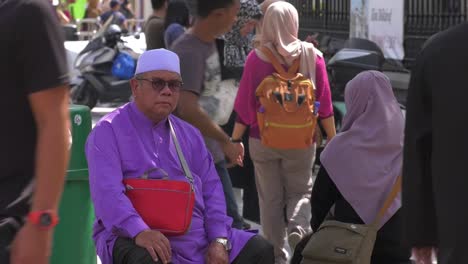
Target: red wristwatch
45 219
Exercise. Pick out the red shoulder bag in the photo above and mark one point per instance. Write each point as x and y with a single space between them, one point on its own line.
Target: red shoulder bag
165 205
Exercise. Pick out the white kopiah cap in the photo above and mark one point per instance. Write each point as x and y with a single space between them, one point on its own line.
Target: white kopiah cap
158 60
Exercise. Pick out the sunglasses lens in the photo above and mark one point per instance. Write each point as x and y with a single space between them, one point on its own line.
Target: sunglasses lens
174 85
159 84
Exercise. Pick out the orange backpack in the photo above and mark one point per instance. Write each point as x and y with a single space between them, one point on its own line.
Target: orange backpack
287 116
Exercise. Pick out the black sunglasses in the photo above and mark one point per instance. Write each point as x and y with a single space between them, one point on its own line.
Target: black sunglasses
159 84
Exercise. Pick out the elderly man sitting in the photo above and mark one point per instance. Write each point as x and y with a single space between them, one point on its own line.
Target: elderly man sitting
137 137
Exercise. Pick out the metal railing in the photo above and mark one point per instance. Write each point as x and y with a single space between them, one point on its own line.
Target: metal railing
324 16
423 18
86 28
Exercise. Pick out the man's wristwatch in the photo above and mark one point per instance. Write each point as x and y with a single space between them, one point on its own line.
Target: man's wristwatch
225 242
45 219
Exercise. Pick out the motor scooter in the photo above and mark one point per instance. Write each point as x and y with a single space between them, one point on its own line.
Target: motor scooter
96 82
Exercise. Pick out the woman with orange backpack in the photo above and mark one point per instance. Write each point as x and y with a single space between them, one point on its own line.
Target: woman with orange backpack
283 91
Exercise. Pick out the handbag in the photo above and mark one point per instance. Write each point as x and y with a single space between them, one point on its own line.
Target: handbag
339 242
165 205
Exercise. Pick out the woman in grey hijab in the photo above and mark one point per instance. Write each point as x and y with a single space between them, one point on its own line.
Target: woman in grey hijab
360 166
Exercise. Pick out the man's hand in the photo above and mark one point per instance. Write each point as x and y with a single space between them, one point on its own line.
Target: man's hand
234 153
423 255
217 254
156 244
31 245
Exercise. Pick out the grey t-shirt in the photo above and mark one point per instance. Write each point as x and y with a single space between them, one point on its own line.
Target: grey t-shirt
201 72
154 33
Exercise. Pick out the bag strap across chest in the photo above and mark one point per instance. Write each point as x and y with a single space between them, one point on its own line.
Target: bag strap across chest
292 71
183 162
396 189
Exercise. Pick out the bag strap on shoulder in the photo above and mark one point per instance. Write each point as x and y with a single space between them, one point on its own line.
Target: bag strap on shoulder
391 197
295 67
180 154
277 65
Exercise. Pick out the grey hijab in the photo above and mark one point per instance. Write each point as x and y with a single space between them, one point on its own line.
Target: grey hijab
365 158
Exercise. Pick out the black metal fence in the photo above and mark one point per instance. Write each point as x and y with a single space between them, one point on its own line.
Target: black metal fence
423 18
324 16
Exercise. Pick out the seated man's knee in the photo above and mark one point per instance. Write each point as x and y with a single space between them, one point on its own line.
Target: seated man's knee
127 252
140 256
268 251
265 249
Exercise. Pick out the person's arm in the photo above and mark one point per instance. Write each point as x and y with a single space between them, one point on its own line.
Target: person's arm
189 109
193 71
246 102
50 110
63 18
324 195
328 125
238 131
324 97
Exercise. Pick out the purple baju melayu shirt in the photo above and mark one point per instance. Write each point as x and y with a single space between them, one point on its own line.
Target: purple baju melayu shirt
125 144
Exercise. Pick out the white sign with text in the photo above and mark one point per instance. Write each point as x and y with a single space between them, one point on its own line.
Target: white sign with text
386 26
381 21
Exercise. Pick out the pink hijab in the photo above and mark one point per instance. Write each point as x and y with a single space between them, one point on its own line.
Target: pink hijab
365 158
264 6
258 29
280 34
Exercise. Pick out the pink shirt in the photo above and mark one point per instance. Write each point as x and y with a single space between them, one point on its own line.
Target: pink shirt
255 70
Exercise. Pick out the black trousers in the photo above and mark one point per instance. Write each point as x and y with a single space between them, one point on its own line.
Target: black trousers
256 251
8 229
454 255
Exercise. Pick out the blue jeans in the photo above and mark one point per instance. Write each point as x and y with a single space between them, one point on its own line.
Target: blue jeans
231 204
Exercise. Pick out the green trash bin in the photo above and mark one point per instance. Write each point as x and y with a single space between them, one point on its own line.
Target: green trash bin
73 242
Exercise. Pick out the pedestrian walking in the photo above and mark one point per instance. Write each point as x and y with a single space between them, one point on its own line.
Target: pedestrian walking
434 166
177 21
283 176
117 17
357 188
233 51
34 137
201 71
154 26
